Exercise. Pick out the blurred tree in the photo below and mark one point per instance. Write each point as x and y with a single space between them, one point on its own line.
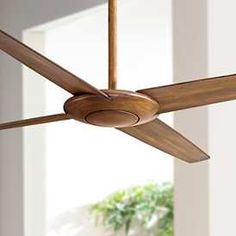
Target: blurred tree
149 208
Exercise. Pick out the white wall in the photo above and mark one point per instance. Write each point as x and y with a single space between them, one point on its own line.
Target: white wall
204 42
222 127
191 62
34 144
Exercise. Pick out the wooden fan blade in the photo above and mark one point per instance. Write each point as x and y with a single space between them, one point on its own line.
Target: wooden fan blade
45 67
34 121
161 136
194 93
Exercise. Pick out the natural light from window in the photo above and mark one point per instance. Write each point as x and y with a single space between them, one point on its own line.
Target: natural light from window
86 163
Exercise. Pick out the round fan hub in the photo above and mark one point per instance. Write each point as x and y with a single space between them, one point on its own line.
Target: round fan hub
123 109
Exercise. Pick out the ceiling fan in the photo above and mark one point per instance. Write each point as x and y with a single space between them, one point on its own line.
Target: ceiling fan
134 113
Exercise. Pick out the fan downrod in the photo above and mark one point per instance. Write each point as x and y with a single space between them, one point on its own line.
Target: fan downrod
112 45
124 109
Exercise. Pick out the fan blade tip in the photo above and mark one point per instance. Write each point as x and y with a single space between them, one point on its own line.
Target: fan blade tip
201 159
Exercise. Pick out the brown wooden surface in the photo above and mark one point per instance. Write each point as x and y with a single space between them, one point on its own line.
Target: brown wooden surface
112 7
195 93
45 67
161 136
124 109
112 118
34 121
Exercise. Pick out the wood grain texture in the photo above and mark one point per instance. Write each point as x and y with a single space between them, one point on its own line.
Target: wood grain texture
124 109
112 7
34 121
195 93
45 67
161 136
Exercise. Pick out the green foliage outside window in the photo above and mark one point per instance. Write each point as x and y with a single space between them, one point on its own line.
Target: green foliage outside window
149 207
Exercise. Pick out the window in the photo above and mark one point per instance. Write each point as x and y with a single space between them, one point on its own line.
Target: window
85 163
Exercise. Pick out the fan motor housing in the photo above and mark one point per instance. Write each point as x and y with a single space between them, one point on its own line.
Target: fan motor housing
123 109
